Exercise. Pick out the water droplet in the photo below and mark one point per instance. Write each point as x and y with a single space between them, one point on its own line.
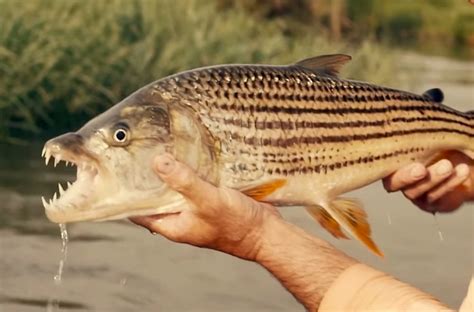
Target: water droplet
123 281
389 218
440 234
53 302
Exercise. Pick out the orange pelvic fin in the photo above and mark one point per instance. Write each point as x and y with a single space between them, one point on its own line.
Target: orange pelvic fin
259 192
350 216
326 221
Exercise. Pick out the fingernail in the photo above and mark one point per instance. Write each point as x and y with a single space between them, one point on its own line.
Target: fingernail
164 164
444 168
463 170
418 172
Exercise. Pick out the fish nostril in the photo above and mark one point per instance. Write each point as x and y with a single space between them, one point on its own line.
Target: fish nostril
65 141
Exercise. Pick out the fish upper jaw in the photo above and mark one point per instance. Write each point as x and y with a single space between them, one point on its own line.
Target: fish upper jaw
69 149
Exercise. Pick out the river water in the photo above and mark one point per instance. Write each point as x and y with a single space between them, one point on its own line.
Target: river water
116 266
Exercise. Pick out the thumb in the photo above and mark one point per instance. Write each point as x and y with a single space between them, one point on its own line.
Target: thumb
183 179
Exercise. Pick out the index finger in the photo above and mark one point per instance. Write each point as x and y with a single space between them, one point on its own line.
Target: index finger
405 176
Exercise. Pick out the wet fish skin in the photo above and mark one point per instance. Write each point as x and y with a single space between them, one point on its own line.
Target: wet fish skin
293 120
299 127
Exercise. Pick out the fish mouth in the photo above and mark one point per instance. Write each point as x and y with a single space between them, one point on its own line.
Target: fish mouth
77 194
98 194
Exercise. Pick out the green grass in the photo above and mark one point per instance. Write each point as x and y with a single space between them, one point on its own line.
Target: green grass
62 62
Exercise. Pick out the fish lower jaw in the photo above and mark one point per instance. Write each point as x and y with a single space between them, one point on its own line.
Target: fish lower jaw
171 202
78 194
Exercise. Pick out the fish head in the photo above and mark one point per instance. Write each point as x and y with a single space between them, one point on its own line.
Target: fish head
113 154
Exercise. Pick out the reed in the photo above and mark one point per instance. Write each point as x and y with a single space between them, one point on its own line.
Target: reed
62 62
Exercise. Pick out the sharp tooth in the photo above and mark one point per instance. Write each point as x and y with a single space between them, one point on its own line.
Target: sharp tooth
61 190
57 159
55 197
47 157
45 204
69 184
67 163
43 152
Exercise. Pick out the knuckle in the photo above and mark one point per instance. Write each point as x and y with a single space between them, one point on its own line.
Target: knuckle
183 181
410 194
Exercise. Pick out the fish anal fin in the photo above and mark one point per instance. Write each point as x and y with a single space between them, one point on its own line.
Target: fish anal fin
261 191
326 221
353 219
329 64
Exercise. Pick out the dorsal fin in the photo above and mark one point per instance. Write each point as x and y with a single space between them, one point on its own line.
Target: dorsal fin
435 94
326 64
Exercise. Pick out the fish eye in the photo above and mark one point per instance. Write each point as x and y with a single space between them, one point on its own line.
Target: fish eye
120 135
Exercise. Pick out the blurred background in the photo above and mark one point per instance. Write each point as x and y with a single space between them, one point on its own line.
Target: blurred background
62 62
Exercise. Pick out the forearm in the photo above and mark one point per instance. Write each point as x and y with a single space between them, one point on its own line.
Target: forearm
313 270
362 288
305 265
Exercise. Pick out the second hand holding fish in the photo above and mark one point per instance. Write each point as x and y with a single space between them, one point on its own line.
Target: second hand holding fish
441 187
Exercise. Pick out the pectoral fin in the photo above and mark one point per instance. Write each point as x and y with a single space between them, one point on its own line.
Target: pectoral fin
351 217
326 221
259 192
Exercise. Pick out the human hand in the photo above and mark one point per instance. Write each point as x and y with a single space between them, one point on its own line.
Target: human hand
441 187
215 217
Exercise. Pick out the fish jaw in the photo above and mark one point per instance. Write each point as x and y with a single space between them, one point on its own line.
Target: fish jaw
105 189
167 202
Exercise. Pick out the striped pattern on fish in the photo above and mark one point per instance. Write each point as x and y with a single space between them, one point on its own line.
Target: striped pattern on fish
324 135
289 135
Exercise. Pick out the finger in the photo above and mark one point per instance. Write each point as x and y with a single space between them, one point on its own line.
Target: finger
461 173
437 173
404 177
448 203
183 179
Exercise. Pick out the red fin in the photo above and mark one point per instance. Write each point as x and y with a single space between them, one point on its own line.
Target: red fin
326 221
261 191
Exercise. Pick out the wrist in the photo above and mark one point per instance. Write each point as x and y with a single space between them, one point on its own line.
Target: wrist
247 238
272 230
